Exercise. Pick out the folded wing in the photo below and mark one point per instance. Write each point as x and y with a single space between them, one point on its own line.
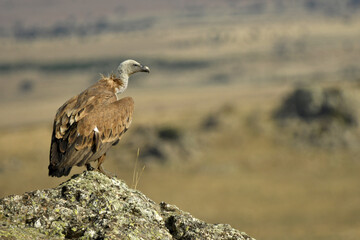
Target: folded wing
84 132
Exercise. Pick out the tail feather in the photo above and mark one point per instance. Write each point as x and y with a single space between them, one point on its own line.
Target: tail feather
55 168
58 172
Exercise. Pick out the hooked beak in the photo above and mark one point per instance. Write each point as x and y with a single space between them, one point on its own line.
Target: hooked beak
145 69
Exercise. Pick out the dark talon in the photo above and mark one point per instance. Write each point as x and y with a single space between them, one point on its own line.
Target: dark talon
107 173
89 167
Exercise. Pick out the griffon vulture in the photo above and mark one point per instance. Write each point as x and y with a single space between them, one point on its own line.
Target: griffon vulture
88 124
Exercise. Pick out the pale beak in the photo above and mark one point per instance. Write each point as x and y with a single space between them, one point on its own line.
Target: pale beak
145 69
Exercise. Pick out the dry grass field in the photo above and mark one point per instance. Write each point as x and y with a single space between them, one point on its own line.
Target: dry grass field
204 60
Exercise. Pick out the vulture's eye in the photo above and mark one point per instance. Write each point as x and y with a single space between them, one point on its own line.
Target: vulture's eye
135 65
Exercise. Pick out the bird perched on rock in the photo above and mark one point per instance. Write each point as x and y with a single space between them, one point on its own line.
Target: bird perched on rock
88 124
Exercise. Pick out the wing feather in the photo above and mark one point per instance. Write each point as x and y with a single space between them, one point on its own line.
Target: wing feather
111 120
63 146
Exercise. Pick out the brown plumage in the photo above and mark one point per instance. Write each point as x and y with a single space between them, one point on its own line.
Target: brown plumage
88 124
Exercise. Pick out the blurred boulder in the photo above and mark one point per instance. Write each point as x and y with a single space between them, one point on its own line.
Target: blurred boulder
210 122
223 117
320 116
161 145
169 133
26 86
314 104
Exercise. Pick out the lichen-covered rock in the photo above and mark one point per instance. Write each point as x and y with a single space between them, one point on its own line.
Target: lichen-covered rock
93 206
183 226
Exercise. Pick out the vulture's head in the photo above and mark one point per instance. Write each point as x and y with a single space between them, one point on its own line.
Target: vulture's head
130 67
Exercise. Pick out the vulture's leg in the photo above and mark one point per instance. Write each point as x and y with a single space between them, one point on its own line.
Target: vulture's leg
89 167
101 169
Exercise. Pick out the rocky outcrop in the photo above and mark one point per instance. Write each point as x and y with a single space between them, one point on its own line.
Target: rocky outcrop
93 206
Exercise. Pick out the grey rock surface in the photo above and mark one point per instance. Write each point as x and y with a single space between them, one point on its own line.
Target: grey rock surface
93 206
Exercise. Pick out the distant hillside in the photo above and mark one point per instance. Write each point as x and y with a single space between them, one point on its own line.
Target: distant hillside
49 46
42 18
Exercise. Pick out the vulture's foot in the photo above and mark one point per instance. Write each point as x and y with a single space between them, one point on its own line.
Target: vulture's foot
89 167
101 169
107 173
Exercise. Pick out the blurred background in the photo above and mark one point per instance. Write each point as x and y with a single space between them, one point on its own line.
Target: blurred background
248 117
